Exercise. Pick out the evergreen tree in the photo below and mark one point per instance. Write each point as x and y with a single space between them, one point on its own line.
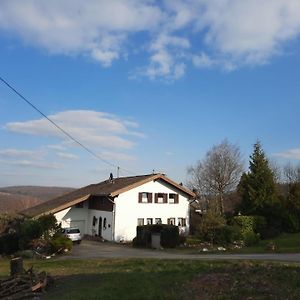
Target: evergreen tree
291 220
257 187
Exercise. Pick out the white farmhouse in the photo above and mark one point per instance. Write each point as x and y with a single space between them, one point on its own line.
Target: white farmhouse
113 208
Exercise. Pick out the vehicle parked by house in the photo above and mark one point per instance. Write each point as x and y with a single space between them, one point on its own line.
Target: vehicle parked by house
73 234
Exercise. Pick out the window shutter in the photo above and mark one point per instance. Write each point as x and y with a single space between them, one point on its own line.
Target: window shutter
149 197
176 198
165 198
156 198
140 197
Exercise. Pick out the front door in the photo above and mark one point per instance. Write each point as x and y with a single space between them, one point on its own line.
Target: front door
100 227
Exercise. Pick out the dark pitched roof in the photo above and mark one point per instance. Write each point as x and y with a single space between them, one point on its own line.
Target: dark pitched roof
107 188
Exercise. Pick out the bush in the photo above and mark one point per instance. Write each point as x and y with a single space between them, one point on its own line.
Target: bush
250 238
228 234
246 223
251 228
260 224
25 254
211 224
9 243
291 223
60 243
169 235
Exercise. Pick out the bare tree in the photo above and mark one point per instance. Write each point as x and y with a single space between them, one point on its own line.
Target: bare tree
291 173
218 173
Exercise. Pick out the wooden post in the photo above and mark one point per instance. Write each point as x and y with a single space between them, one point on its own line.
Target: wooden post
16 266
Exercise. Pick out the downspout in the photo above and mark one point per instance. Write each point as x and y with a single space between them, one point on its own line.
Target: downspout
113 222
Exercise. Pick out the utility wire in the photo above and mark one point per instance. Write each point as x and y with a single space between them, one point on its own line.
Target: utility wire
64 131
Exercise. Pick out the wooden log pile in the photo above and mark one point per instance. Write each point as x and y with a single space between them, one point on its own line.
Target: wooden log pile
28 285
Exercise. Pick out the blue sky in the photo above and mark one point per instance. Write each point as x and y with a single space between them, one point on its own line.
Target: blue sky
145 85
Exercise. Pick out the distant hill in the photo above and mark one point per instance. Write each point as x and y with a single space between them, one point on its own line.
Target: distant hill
43 193
16 198
11 203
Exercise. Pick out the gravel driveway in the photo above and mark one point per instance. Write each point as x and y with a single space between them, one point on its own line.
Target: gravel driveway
92 249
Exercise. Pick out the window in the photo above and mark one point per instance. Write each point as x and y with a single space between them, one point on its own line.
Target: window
157 220
140 221
104 223
145 197
173 198
171 221
182 222
149 221
161 198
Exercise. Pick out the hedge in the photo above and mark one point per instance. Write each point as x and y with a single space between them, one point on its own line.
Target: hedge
169 235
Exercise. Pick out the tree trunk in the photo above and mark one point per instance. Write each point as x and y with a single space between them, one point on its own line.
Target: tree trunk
16 266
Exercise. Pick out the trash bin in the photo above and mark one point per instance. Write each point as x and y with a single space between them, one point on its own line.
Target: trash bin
155 241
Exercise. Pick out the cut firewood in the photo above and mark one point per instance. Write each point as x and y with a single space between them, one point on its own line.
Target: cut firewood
24 286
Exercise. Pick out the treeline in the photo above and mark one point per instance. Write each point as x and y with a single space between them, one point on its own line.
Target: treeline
263 192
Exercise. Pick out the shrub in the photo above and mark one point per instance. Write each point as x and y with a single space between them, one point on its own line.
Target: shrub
48 225
143 236
228 234
250 238
9 243
251 228
211 223
291 223
25 254
247 223
260 224
169 235
60 243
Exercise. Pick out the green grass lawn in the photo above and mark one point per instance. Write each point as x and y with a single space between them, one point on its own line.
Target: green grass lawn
285 243
161 279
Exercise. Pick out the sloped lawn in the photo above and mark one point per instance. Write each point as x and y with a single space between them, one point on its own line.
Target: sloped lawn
174 279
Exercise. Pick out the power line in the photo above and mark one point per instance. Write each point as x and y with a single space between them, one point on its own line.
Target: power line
64 131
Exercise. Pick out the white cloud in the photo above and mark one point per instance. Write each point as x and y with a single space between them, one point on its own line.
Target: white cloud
97 28
249 32
33 163
92 128
116 156
166 58
203 61
65 155
24 154
226 33
293 154
56 147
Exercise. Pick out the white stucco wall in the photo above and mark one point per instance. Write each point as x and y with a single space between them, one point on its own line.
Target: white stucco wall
107 232
73 216
83 218
128 209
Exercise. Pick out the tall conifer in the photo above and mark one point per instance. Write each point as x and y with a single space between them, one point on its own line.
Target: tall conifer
258 187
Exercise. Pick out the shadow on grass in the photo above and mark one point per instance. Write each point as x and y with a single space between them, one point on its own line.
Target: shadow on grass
215 281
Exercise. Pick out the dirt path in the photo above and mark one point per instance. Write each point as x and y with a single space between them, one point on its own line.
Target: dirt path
92 249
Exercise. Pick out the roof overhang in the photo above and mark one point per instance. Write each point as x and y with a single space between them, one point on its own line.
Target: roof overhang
155 177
